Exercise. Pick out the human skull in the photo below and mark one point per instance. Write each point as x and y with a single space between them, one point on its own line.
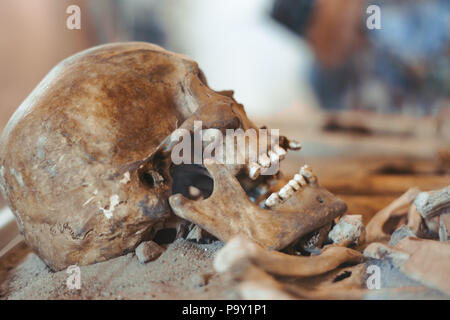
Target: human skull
85 161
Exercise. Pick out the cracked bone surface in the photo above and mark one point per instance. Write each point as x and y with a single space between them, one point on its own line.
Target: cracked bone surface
241 248
229 212
349 230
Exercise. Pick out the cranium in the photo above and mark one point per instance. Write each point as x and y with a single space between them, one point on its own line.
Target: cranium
86 168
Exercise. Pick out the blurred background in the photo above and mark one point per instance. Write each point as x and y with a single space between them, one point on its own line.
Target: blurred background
311 68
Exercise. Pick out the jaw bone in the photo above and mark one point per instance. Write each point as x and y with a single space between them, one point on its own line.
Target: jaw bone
229 212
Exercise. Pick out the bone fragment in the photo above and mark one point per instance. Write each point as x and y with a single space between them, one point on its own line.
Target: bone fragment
241 248
348 231
433 203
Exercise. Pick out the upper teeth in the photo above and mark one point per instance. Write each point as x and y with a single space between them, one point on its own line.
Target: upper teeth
294 145
279 151
264 160
254 170
273 156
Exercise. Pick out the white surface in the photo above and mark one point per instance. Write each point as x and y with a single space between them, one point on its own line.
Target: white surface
239 47
8 228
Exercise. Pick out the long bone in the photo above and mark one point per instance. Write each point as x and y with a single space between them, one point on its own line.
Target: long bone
241 248
229 212
255 283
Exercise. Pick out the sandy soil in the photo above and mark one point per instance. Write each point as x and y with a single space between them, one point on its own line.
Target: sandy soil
183 271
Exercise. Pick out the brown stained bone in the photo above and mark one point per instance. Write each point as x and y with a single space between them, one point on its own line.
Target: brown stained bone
229 212
426 261
433 203
398 208
241 248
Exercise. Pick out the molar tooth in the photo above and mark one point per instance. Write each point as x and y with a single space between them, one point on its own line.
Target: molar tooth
279 151
264 160
294 145
307 172
300 180
273 156
272 200
254 170
286 192
294 184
